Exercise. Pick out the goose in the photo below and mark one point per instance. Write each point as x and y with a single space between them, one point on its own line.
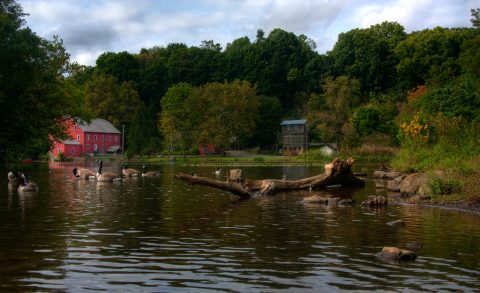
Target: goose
129 172
12 176
26 185
106 177
83 173
150 173
218 171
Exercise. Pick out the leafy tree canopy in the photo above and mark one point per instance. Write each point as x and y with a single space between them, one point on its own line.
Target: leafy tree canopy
32 82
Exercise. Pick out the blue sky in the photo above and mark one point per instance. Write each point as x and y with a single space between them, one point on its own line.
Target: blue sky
91 27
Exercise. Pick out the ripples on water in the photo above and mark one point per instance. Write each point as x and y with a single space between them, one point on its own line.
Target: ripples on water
161 235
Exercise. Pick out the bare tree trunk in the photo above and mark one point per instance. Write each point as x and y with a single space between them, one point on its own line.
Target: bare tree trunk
337 172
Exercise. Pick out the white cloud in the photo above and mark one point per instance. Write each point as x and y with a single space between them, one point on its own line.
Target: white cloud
90 28
86 57
414 14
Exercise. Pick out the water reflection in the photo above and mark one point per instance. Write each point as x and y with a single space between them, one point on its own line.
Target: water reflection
162 235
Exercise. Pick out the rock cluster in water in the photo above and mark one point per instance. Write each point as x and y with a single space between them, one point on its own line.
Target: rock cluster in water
329 200
411 184
375 201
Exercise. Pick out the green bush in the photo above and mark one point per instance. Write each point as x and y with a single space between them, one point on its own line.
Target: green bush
451 142
129 154
366 120
443 186
61 157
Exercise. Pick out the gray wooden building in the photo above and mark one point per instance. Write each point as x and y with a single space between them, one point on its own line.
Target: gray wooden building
294 137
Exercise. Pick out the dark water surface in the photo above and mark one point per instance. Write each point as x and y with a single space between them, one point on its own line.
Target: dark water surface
162 235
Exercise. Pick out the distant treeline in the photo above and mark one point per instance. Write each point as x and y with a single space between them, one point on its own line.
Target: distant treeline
176 96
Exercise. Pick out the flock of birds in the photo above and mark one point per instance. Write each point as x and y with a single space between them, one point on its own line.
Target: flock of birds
26 185
23 181
110 177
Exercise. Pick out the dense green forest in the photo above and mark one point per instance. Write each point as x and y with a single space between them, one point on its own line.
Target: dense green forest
378 85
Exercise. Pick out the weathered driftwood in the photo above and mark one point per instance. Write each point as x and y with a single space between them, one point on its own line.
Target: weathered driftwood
235 188
337 172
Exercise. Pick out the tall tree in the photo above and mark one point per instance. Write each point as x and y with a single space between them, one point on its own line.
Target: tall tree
105 99
475 17
228 113
123 66
32 85
179 117
142 135
367 55
267 123
431 56
230 110
340 96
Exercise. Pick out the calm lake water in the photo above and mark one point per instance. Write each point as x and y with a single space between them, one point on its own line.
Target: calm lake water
162 235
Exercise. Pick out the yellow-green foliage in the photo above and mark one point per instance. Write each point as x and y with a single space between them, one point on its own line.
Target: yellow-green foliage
440 142
414 131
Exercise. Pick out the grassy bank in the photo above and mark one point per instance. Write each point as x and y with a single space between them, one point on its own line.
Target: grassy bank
458 161
254 160
366 153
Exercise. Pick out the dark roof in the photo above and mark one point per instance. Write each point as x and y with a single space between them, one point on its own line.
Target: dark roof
294 122
98 125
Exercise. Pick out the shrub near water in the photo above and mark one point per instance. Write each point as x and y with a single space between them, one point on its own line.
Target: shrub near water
453 145
437 142
443 186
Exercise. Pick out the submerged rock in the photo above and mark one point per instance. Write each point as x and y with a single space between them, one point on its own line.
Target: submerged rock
315 199
395 253
360 174
331 201
415 245
346 201
373 200
397 223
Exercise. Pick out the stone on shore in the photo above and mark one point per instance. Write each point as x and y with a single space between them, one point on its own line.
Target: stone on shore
394 185
386 175
413 183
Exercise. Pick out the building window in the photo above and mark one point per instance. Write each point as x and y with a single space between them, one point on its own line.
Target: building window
88 147
59 150
109 138
95 137
95 147
88 136
78 136
116 138
73 151
75 127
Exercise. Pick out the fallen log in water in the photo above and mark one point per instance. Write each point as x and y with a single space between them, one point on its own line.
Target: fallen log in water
337 172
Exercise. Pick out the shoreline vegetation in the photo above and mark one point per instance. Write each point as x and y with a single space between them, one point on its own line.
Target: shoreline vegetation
456 188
